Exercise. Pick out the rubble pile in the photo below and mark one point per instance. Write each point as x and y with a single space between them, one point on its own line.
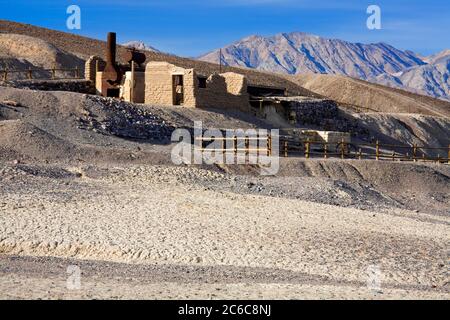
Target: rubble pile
71 85
114 117
324 114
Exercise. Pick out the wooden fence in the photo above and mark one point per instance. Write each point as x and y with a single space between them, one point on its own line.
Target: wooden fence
316 149
237 146
377 151
29 73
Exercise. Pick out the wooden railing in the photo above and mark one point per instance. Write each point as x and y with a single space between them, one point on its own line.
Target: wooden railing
317 149
237 145
376 151
29 73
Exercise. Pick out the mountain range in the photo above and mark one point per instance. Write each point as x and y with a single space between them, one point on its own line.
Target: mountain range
140 45
301 53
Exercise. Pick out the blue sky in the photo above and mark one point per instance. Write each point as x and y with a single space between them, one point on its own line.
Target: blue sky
193 27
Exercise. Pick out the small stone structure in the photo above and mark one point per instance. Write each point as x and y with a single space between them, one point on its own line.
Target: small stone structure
167 84
92 66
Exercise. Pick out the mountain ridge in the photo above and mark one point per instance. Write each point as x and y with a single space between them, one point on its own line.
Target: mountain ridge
301 53
140 45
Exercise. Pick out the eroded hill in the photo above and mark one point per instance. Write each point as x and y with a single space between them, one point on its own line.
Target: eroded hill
369 97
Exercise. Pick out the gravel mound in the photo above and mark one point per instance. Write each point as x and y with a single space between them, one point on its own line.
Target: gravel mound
126 120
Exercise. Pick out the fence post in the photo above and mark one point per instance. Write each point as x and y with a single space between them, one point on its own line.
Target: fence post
342 149
415 152
325 149
393 155
224 148
307 149
286 149
360 154
77 72
448 156
271 142
235 144
378 150
54 72
247 145
30 73
269 146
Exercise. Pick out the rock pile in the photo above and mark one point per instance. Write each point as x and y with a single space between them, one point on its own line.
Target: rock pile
324 114
114 117
71 85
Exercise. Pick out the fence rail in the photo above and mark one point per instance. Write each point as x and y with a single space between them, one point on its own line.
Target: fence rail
236 148
29 73
376 151
319 149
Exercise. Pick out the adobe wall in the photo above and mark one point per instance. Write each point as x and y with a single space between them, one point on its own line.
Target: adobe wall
158 84
224 91
139 87
90 67
98 83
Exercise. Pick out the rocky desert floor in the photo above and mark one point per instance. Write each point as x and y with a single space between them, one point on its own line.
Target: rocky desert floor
165 232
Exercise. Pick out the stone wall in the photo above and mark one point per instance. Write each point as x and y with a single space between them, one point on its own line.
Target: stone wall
236 83
159 87
98 83
90 68
223 91
139 87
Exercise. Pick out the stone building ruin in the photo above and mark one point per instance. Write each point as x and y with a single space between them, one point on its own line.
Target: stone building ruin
167 84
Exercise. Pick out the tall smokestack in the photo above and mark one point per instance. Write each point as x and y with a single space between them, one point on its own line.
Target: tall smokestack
110 73
111 49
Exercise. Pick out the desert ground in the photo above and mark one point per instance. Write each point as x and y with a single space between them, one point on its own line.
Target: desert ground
166 232
88 182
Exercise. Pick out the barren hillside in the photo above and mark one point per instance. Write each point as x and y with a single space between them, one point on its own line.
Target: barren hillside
371 97
20 52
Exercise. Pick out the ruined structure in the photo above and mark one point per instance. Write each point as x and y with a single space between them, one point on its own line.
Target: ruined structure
133 87
163 83
115 80
167 84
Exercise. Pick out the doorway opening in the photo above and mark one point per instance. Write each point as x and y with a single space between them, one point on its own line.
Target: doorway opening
178 90
113 93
